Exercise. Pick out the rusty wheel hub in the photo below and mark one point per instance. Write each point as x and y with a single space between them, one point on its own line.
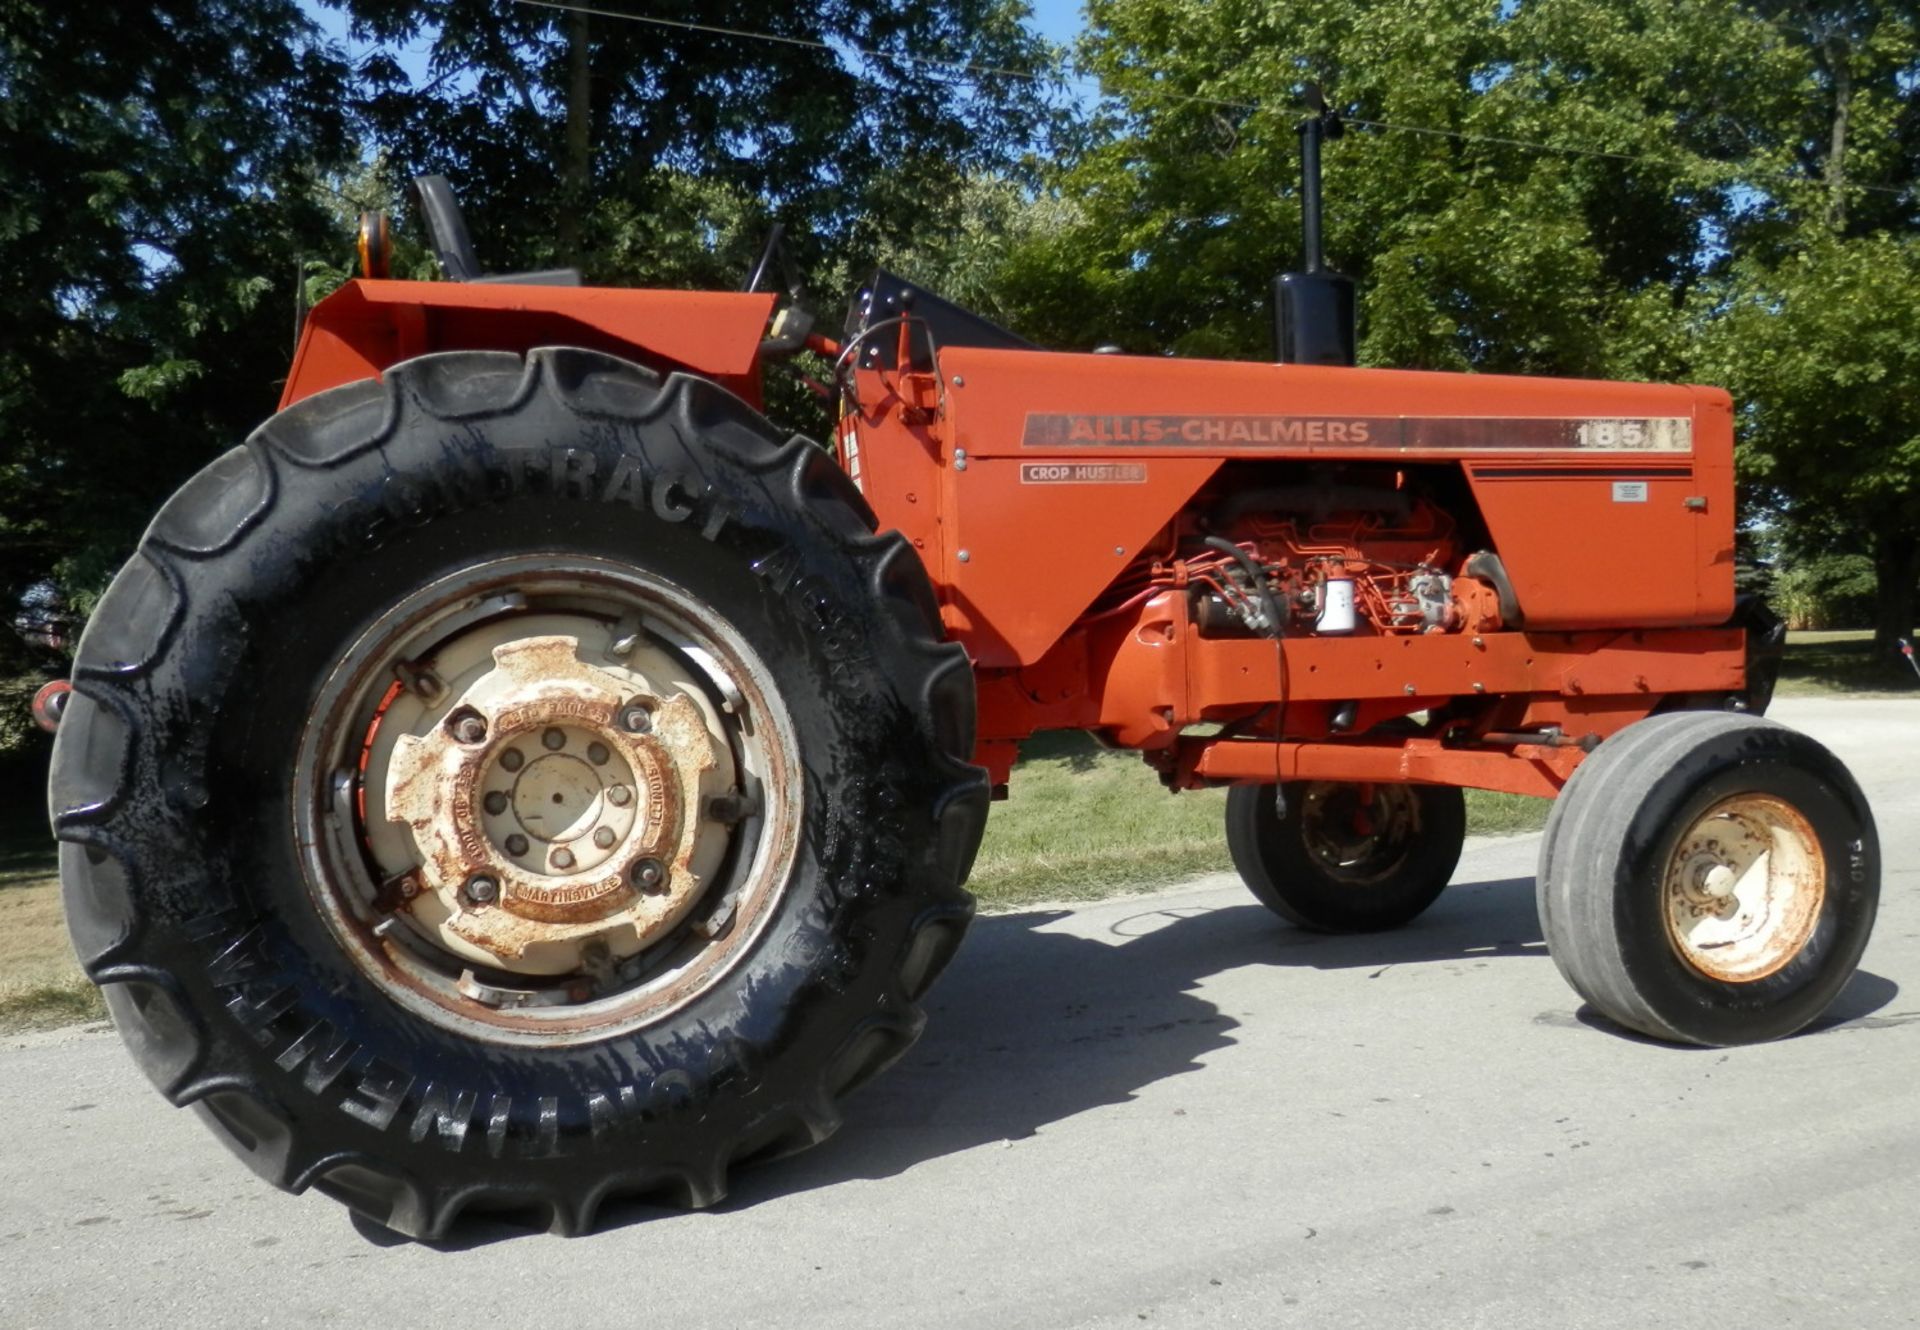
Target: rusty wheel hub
548 800
571 793
1743 888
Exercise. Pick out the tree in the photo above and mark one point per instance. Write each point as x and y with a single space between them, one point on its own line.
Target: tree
1822 349
156 164
1472 249
591 141
1817 329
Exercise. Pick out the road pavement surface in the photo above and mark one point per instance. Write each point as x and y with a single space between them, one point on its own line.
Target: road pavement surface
1168 1110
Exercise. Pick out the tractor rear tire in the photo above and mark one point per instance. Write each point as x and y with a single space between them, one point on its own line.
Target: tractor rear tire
228 877
1709 878
1337 865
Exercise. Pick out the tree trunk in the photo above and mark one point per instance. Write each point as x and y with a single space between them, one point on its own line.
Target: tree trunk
1896 570
576 167
1840 69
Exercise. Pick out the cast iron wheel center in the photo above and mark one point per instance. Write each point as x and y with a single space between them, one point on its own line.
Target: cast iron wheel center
550 807
547 797
1744 886
569 809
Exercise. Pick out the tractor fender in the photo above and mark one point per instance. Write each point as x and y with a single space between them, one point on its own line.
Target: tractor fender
366 326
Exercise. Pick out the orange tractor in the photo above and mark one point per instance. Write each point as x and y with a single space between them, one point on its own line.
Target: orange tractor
520 774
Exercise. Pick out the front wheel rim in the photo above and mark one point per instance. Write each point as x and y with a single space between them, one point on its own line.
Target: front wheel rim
548 799
1359 835
1743 888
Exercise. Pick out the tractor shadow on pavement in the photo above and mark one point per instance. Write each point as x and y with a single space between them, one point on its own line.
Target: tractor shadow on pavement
1034 1023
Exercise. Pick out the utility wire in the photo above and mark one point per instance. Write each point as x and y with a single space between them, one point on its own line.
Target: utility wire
807 43
993 71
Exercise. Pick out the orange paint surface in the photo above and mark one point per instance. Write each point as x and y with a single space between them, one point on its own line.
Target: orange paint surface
1058 502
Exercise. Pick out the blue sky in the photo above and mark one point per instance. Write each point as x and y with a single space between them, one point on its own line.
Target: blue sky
1059 20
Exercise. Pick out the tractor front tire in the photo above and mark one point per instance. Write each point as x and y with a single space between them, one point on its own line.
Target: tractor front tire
1346 858
1709 878
513 784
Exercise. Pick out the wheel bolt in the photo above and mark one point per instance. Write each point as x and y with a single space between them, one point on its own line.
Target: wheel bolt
649 874
554 740
516 845
495 802
637 718
513 759
597 753
563 859
468 726
619 796
481 889
604 838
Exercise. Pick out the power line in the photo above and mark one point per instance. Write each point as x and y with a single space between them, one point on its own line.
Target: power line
992 71
807 43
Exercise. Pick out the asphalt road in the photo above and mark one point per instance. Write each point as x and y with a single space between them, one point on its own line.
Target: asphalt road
1167 1110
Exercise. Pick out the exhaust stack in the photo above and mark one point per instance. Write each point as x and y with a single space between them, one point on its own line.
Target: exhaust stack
1313 309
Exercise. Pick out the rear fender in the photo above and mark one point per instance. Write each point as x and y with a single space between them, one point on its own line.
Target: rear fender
366 326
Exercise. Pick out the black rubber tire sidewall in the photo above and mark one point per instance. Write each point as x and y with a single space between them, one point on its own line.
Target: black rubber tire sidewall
1603 864
233 991
1272 858
1712 1011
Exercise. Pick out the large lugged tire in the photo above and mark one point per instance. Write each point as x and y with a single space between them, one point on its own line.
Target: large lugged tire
516 783
1709 878
1346 858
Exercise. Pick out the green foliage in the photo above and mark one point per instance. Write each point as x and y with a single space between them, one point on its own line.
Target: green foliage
155 165
1472 252
1825 592
659 154
1822 350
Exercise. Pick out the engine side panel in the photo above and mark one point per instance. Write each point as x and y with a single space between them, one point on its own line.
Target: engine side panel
1114 538
1610 503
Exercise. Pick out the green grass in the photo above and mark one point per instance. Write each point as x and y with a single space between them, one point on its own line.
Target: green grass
40 981
1081 823
1843 664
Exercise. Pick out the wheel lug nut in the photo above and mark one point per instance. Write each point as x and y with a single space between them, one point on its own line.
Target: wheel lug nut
481 889
637 718
467 725
604 838
597 753
516 845
619 796
513 759
563 859
649 874
495 802
554 740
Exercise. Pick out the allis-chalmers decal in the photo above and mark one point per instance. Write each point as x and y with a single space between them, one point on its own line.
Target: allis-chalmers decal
1658 434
